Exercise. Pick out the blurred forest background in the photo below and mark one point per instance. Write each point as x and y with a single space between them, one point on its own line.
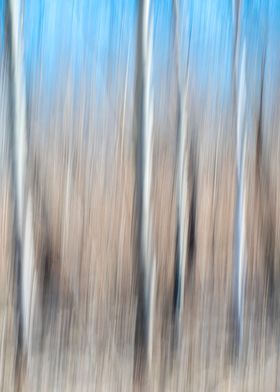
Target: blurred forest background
79 64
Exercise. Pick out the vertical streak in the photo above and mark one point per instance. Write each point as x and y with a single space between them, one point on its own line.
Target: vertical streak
241 143
240 213
23 197
19 107
181 183
147 127
144 127
263 188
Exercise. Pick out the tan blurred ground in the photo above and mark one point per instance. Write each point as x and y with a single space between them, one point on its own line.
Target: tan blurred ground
87 211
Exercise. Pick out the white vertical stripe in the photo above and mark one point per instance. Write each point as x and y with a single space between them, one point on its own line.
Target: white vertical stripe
181 182
240 230
24 211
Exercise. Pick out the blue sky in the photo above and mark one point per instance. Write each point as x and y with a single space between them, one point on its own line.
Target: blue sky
94 36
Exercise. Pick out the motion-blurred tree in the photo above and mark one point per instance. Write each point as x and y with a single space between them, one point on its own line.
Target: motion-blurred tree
26 281
144 257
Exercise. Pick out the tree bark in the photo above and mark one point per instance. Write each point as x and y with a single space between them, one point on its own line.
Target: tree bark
144 257
184 230
26 280
239 245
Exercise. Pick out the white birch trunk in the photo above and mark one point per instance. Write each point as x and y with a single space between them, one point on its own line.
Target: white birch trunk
181 183
239 251
240 219
24 208
144 128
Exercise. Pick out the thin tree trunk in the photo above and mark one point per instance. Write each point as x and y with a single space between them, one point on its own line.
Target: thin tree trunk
239 251
144 257
182 227
26 282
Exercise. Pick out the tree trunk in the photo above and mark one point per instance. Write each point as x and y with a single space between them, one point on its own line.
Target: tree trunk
183 229
239 245
144 257
26 280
